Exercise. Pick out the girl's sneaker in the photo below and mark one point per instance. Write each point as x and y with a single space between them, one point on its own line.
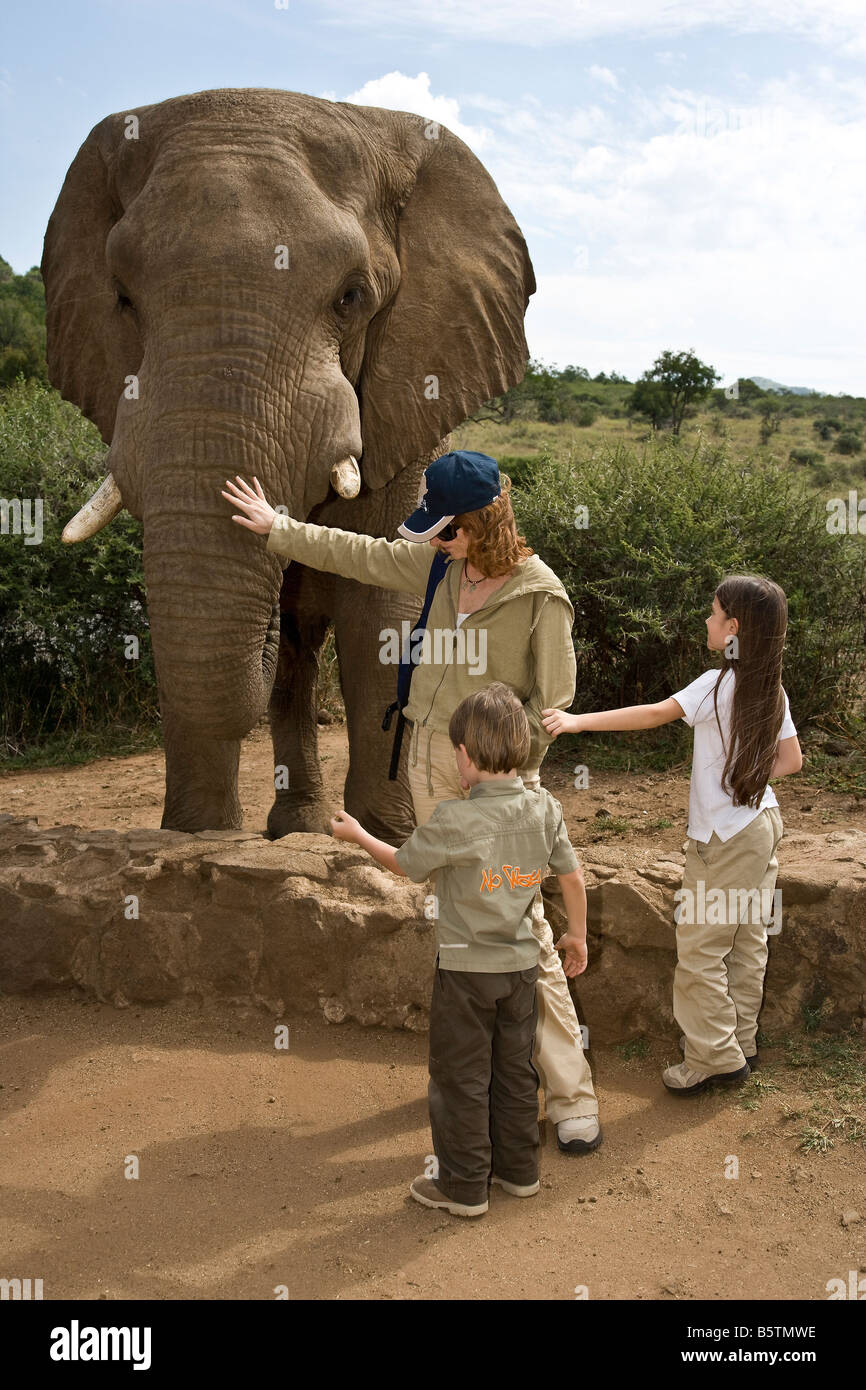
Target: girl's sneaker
516 1190
425 1191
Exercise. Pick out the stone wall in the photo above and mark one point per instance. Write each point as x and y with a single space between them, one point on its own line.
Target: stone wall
309 923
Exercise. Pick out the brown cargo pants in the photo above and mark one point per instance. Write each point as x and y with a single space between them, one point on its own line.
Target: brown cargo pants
483 1092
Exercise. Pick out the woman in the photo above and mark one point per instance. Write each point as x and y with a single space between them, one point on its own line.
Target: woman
507 612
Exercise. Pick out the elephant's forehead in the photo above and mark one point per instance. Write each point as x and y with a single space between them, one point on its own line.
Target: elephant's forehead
328 202
289 134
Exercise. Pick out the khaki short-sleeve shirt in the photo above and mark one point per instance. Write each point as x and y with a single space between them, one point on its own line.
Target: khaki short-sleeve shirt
488 855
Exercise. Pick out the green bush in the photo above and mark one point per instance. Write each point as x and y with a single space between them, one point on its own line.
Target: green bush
848 443
66 611
518 467
825 425
665 524
822 475
586 415
808 456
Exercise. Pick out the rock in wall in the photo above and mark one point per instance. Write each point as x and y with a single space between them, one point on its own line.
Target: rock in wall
308 923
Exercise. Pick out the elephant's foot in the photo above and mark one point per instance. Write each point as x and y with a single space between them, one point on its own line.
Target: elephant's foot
392 822
293 817
201 781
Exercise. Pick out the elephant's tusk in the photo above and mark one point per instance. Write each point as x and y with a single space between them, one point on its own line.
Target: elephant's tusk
103 507
346 477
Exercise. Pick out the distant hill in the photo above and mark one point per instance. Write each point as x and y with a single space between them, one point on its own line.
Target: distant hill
767 385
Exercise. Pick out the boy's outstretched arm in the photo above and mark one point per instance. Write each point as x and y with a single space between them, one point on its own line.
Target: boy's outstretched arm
557 721
345 827
573 942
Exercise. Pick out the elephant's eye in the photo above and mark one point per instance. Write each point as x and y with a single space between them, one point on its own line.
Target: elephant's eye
349 299
123 299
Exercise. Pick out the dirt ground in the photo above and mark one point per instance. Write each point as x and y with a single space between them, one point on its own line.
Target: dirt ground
261 1168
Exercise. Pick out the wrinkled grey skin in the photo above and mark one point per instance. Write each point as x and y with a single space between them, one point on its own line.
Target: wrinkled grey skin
160 262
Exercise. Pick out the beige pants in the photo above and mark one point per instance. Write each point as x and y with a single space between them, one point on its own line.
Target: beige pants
558 1056
722 942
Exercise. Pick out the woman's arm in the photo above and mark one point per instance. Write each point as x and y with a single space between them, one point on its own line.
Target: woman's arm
555 672
401 565
556 721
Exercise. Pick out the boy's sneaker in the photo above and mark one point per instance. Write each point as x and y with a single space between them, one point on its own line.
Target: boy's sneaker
579 1135
425 1191
681 1080
516 1189
754 1062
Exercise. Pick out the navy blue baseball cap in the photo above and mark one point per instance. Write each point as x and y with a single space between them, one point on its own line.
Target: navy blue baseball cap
451 485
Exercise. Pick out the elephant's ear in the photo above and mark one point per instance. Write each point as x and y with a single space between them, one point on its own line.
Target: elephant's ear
92 344
452 336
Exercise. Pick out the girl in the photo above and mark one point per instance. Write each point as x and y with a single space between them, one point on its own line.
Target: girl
744 735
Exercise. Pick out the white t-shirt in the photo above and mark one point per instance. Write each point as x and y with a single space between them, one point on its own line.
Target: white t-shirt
461 618
711 808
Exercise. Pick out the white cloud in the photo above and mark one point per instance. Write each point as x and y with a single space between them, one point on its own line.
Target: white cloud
678 219
744 241
398 92
835 23
604 75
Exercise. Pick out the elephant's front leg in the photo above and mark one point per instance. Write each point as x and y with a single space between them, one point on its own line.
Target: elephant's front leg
369 682
201 778
299 802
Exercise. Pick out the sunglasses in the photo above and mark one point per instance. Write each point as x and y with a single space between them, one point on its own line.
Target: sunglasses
448 533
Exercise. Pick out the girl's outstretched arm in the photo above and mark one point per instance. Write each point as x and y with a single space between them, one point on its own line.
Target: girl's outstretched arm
789 757
556 721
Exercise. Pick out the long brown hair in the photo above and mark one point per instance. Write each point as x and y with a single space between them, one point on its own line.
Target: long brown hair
495 546
758 705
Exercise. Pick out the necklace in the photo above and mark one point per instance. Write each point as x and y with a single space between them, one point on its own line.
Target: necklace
471 584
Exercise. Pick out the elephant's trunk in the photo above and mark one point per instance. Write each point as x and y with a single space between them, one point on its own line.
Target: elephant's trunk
215 627
212 597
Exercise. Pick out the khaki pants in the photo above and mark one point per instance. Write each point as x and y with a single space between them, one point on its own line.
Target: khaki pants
722 942
558 1057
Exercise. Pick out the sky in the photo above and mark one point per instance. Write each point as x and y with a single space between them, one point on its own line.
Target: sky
688 174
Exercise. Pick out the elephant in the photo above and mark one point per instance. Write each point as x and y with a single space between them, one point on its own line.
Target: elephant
265 283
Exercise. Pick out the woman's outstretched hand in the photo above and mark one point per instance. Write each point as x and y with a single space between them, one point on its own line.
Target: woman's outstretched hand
259 513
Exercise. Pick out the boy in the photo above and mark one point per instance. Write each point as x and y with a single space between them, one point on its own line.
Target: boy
489 853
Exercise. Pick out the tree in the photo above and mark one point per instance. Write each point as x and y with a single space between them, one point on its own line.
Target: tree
771 419
680 378
22 325
748 391
650 399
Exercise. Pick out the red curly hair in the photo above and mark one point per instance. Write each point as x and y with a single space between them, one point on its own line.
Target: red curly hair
495 546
